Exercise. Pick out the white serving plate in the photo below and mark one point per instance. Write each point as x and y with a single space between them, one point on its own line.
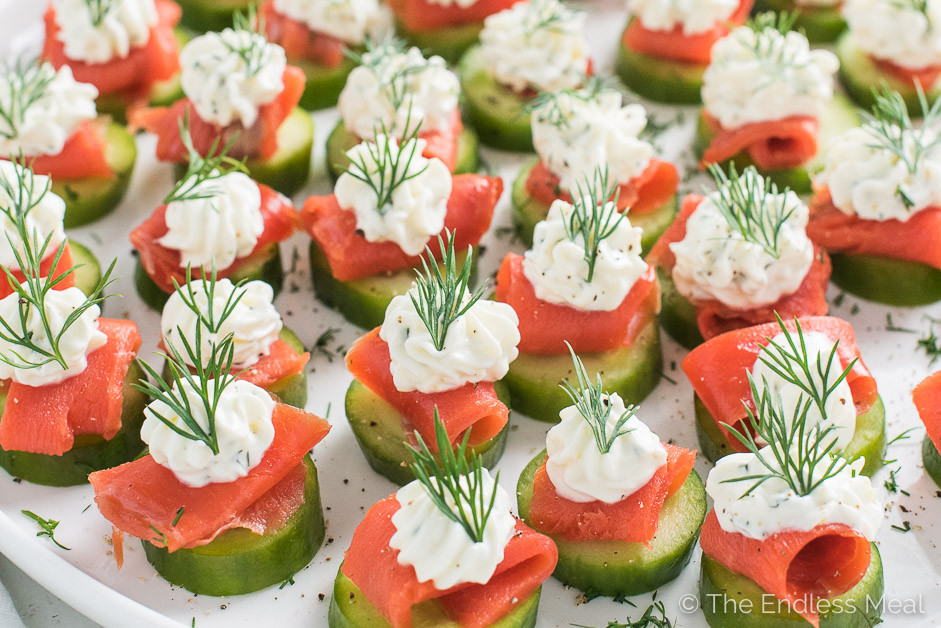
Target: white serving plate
86 577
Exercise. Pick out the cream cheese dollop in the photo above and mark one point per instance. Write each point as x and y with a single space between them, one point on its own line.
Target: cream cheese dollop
44 219
579 133
895 31
416 209
80 339
109 32
350 21
766 75
536 44
438 548
693 16
218 229
580 472
221 83
558 272
244 429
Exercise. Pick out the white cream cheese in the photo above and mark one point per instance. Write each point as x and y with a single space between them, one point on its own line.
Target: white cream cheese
396 92
693 16
754 77
558 272
253 322
80 339
714 260
218 229
110 31
438 548
43 220
846 498
479 346
580 472
897 30
350 21
536 44
417 207
244 431
55 106
229 75
578 133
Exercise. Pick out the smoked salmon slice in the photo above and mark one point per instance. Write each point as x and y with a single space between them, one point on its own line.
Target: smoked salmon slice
927 398
545 327
470 406
915 240
470 210
144 499
422 15
299 41
282 361
772 145
799 567
718 369
163 264
83 155
926 76
65 263
529 558
634 519
46 419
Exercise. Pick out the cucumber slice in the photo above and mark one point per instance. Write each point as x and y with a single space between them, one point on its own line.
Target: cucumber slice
87 273
341 140
90 452
449 42
632 372
211 15
886 280
527 212
91 198
499 115
838 116
822 25
240 561
660 80
264 265
616 568
323 84
363 302
724 595
932 460
349 608
379 430
869 440
677 315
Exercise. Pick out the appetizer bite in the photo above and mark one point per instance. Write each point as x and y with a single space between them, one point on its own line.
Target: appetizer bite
738 257
387 208
535 46
667 45
215 218
50 119
623 509
583 285
768 101
813 358
891 43
317 36
877 209
577 132
240 93
444 550
440 347
821 21
127 49
791 520
398 93
227 500
927 398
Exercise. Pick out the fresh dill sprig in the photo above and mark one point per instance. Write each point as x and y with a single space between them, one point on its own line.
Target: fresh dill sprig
322 344
26 82
393 80
930 343
455 479
98 10
757 212
891 127
770 47
780 21
47 527
199 169
254 50
550 15
595 216
593 404
441 297
654 617
207 316
549 104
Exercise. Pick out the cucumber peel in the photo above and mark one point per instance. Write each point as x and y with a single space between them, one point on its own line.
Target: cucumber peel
499 115
211 15
661 80
821 25
449 42
886 280
87 271
677 314
932 460
323 84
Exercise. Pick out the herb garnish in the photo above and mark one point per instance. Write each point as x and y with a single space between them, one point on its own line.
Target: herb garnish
388 165
253 50
47 527
550 15
891 128
200 169
207 316
27 82
179 514
654 617
98 10
548 105
930 343
393 80
595 216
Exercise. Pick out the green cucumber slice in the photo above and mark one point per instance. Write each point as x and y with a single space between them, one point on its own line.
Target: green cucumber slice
211 15
87 273
613 568
91 198
349 608
632 372
886 280
932 460
822 25
448 43
724 595
341 140
499 115
660 80
379 430
240 561
323 84
265 265
527 212
677 315
90 452
363 302
869 440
